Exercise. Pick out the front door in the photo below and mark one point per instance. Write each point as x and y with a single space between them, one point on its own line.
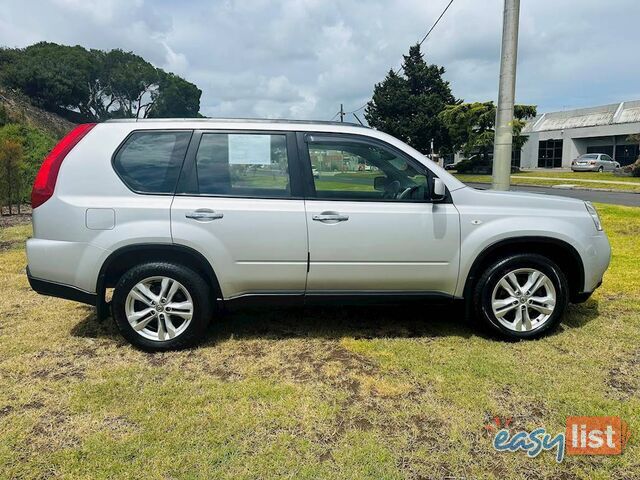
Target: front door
237 205
371 225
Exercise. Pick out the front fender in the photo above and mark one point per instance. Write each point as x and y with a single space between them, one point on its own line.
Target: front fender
480 235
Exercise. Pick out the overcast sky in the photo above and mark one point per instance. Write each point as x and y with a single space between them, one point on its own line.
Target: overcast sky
302 58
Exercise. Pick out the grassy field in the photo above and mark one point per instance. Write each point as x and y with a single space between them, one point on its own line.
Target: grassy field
563 178
330 393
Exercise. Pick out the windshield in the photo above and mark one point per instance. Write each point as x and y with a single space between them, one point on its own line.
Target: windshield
591 156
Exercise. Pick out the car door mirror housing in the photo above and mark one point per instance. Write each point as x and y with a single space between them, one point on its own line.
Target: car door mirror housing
438 190
379 183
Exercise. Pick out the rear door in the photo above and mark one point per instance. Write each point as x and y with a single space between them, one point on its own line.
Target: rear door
371 225
610 164
238 202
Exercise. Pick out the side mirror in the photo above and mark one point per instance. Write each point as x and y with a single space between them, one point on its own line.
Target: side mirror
379 183
438 190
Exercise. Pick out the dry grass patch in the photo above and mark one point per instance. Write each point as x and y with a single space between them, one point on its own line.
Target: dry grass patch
323 393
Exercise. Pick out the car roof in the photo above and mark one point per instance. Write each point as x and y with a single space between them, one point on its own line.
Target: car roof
256 121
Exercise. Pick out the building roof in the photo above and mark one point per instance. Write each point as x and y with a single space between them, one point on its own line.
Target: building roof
615 113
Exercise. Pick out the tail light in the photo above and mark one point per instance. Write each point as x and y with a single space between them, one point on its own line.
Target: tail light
45 181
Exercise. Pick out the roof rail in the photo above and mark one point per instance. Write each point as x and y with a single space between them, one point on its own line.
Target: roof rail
233 120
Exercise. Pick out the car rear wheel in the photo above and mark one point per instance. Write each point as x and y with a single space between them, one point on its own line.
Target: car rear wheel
521 296
600 169
162 306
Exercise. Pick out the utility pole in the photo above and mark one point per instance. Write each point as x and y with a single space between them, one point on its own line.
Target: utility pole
503 144
341 113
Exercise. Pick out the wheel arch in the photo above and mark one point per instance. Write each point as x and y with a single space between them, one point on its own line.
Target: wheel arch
560 252
122 259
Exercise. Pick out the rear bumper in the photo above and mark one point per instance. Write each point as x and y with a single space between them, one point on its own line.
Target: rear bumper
53 289
586 168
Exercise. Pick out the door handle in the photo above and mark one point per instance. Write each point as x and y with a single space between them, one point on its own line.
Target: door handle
204 215
330 217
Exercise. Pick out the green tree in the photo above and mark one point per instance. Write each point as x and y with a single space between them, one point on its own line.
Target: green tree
635 138
90 85
55 77
10 178
132 83
178 98
471 126
407 106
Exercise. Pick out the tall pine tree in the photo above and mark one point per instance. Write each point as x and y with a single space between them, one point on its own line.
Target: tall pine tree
407 106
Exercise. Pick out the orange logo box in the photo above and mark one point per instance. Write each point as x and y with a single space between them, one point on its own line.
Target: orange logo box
596 435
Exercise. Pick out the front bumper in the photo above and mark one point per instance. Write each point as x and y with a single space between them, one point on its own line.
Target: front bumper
584 296
53 289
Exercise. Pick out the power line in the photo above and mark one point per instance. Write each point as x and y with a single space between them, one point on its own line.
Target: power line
357 109
419 43
430 30
436 23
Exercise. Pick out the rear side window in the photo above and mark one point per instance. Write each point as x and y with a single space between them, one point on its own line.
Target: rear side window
243 164
150 162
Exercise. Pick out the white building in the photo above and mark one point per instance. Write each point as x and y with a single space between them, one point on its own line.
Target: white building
556 138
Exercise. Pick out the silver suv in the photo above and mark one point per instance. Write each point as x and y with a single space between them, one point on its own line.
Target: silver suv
182 217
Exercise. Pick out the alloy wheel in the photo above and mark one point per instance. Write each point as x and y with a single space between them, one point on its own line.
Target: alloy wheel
523 300
159 308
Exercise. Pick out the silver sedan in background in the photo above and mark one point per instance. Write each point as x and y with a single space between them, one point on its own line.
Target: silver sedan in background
594 162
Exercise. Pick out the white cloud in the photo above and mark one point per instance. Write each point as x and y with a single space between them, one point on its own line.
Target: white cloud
302 58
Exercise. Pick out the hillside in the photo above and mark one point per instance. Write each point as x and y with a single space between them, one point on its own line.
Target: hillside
19 110
28 132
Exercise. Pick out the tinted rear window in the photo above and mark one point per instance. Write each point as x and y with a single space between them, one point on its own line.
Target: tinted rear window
150 162
590 156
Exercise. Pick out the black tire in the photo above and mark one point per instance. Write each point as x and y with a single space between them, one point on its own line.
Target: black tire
601 169
195 285
484 288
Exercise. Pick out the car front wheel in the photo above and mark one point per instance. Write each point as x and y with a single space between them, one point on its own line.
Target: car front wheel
521 296
162 306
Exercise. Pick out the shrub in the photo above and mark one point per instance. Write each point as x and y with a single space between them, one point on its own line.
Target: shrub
34 144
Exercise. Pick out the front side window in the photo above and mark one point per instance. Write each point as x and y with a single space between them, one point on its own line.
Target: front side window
358 170
252 165
150 162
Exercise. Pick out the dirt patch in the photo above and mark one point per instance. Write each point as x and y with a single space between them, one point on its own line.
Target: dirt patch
59 371
520 412
8 245
119 426
223 372
427 431
6 410
624 378
36 405
53 432
13 220
86 352
157 359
